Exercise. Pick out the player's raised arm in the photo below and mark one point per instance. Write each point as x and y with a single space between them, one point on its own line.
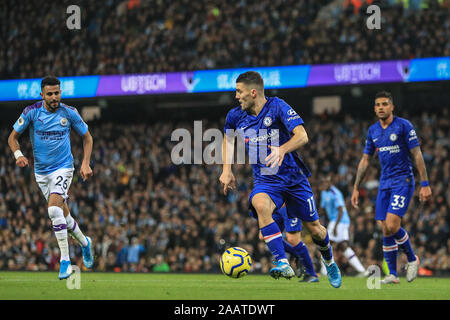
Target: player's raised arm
299 139
13 142
425 190
227 178
360 173
88 142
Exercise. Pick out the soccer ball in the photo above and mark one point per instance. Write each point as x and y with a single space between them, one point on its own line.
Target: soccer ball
235 262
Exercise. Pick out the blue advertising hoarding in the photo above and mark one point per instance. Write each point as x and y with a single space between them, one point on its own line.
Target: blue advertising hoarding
415 70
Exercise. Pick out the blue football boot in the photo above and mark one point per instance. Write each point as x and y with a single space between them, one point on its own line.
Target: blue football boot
65 269
281 269
88 257
334 275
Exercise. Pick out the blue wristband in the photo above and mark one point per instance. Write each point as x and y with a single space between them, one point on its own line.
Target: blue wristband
424 184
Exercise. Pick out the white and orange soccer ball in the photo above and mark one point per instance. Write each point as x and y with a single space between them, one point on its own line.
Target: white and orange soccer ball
235 262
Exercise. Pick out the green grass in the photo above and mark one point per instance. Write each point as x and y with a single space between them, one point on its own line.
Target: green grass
123 286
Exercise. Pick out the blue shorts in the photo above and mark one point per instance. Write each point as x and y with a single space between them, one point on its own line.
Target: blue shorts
284 223
393 200
299 200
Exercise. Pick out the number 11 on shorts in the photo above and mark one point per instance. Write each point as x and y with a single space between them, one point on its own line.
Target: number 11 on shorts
312 205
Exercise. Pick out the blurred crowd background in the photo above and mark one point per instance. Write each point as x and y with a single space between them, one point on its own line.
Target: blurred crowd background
145 214
143 36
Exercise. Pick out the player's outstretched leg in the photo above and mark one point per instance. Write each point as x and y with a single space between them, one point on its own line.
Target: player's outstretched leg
320 238
304 260
273 238
354 262
56 215
390 250
85 242
402 240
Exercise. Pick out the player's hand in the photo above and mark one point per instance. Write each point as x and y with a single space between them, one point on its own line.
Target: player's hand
355 199
22 162
228 181
85 171
335 231
425 194
275 157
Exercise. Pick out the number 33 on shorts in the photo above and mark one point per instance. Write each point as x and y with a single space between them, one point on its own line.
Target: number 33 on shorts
56 182
398 203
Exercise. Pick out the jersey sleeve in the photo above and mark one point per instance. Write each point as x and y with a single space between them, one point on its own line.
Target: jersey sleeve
370 147
410 135
230 122
23 122
288 116
78 123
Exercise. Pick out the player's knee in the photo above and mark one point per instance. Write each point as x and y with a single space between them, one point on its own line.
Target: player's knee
390 229
56 214
316 229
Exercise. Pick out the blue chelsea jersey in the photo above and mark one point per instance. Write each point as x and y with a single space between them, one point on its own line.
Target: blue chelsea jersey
272 126
393 145
50 135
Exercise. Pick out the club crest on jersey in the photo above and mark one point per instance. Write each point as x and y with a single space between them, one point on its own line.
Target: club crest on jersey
267 121
21 121
63 122
393 137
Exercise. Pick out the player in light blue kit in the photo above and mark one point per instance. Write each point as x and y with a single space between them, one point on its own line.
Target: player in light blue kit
272 131
395 141
49 122
333 203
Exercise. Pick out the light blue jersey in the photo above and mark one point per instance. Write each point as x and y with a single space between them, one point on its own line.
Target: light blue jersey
331 200
50 135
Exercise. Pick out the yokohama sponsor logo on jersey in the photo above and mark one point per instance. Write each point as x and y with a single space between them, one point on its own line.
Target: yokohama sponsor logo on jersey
392 149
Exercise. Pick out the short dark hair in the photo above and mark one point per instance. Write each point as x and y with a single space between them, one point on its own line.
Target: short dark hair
384 94
50 81
251 78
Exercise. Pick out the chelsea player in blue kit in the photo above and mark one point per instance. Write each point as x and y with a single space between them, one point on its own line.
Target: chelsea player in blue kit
395 141
270 126
49 122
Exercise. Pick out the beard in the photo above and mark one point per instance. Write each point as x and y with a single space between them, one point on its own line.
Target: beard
53 107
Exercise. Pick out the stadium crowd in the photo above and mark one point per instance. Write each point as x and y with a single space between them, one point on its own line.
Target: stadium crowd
145 214
144 36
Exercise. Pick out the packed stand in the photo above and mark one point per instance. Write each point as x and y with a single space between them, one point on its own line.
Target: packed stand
124 37
145 214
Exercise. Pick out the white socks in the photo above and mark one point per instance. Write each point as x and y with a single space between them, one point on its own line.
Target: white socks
56 214
74 229
353 260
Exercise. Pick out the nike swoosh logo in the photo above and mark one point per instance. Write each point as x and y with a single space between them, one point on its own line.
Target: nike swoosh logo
374 140
312 214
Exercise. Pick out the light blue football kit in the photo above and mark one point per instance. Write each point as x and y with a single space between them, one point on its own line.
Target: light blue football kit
50 135
331 200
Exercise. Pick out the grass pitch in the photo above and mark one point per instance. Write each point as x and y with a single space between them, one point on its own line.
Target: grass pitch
151 286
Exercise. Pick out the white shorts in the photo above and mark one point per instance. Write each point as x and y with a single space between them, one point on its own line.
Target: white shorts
342 232
56 182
